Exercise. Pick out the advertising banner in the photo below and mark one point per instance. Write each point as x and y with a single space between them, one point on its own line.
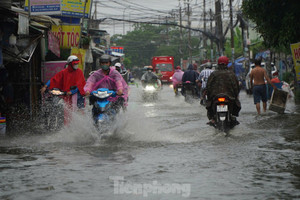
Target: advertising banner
53 44
68 35
59 7
50 68
44 7
75 8
80 53
295 48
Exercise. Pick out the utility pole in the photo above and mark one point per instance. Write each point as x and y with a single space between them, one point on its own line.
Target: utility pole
167 31
204 27
81 23
90 16
29 10
189 25
180 22
211 40
231 34
248 45
219 27
124 21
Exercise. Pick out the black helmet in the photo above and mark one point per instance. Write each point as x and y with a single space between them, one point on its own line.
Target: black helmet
208 65
105 58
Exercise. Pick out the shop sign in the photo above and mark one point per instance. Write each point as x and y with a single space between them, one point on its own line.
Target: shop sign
68 35
44 7
53 44
295 48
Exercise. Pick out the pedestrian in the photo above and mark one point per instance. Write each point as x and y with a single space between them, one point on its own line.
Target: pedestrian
258 75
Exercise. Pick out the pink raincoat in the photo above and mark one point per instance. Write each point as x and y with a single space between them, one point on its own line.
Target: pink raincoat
177 77
112 81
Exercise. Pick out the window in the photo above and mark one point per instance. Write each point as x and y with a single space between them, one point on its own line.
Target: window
165 67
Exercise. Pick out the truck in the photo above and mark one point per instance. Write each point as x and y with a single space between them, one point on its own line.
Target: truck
166 66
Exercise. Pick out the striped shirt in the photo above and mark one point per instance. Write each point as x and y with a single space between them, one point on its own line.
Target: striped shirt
203 76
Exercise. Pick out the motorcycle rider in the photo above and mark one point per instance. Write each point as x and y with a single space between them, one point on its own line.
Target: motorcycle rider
222 81
177 78
190 75
66 79
107 77
203 77
118 67
158 73
150 78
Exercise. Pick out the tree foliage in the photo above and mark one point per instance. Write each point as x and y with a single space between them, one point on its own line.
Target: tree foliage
276 20
238 44
146 41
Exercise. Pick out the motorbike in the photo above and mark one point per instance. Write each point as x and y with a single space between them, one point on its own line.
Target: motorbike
106 105
178 89
203 97
53 109
150 91
189 91
222 107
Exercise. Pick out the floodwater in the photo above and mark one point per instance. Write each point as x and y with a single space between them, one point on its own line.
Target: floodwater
158 150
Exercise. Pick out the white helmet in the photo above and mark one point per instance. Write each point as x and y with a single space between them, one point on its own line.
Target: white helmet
118 64
72 58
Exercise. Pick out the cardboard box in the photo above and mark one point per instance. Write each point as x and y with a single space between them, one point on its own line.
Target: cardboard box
278 101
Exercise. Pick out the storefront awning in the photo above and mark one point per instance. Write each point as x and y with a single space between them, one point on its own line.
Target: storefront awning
19 53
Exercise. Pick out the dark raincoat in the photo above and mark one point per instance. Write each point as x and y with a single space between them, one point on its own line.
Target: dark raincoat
190 75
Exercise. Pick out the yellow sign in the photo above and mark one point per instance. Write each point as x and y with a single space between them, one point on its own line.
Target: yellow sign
80 53
75 8
68 35
296 57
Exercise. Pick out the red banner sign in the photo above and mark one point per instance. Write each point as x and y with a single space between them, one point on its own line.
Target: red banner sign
53 44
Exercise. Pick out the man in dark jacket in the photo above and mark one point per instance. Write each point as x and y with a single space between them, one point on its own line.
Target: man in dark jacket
190 75
222 81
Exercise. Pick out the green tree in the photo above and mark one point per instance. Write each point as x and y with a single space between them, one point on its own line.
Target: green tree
146 41
127 62
238 44
277 21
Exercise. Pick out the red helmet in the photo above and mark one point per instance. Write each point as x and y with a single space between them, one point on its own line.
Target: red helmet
178 67
223 60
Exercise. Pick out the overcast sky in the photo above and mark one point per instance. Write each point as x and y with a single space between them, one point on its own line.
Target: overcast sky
149 10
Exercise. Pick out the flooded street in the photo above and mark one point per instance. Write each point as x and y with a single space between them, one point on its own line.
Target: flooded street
158 150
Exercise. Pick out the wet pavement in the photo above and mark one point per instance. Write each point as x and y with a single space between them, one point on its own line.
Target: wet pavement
159 149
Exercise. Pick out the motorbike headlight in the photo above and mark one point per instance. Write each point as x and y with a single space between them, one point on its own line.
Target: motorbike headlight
102 94
149 88
100 120
56 92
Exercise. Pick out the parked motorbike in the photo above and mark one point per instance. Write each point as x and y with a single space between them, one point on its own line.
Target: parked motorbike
106 105
222 107
189 91
53 109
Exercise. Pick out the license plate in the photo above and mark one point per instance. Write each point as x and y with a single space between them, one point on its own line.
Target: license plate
222 108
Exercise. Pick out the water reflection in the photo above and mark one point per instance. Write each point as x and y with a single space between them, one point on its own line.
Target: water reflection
166 141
